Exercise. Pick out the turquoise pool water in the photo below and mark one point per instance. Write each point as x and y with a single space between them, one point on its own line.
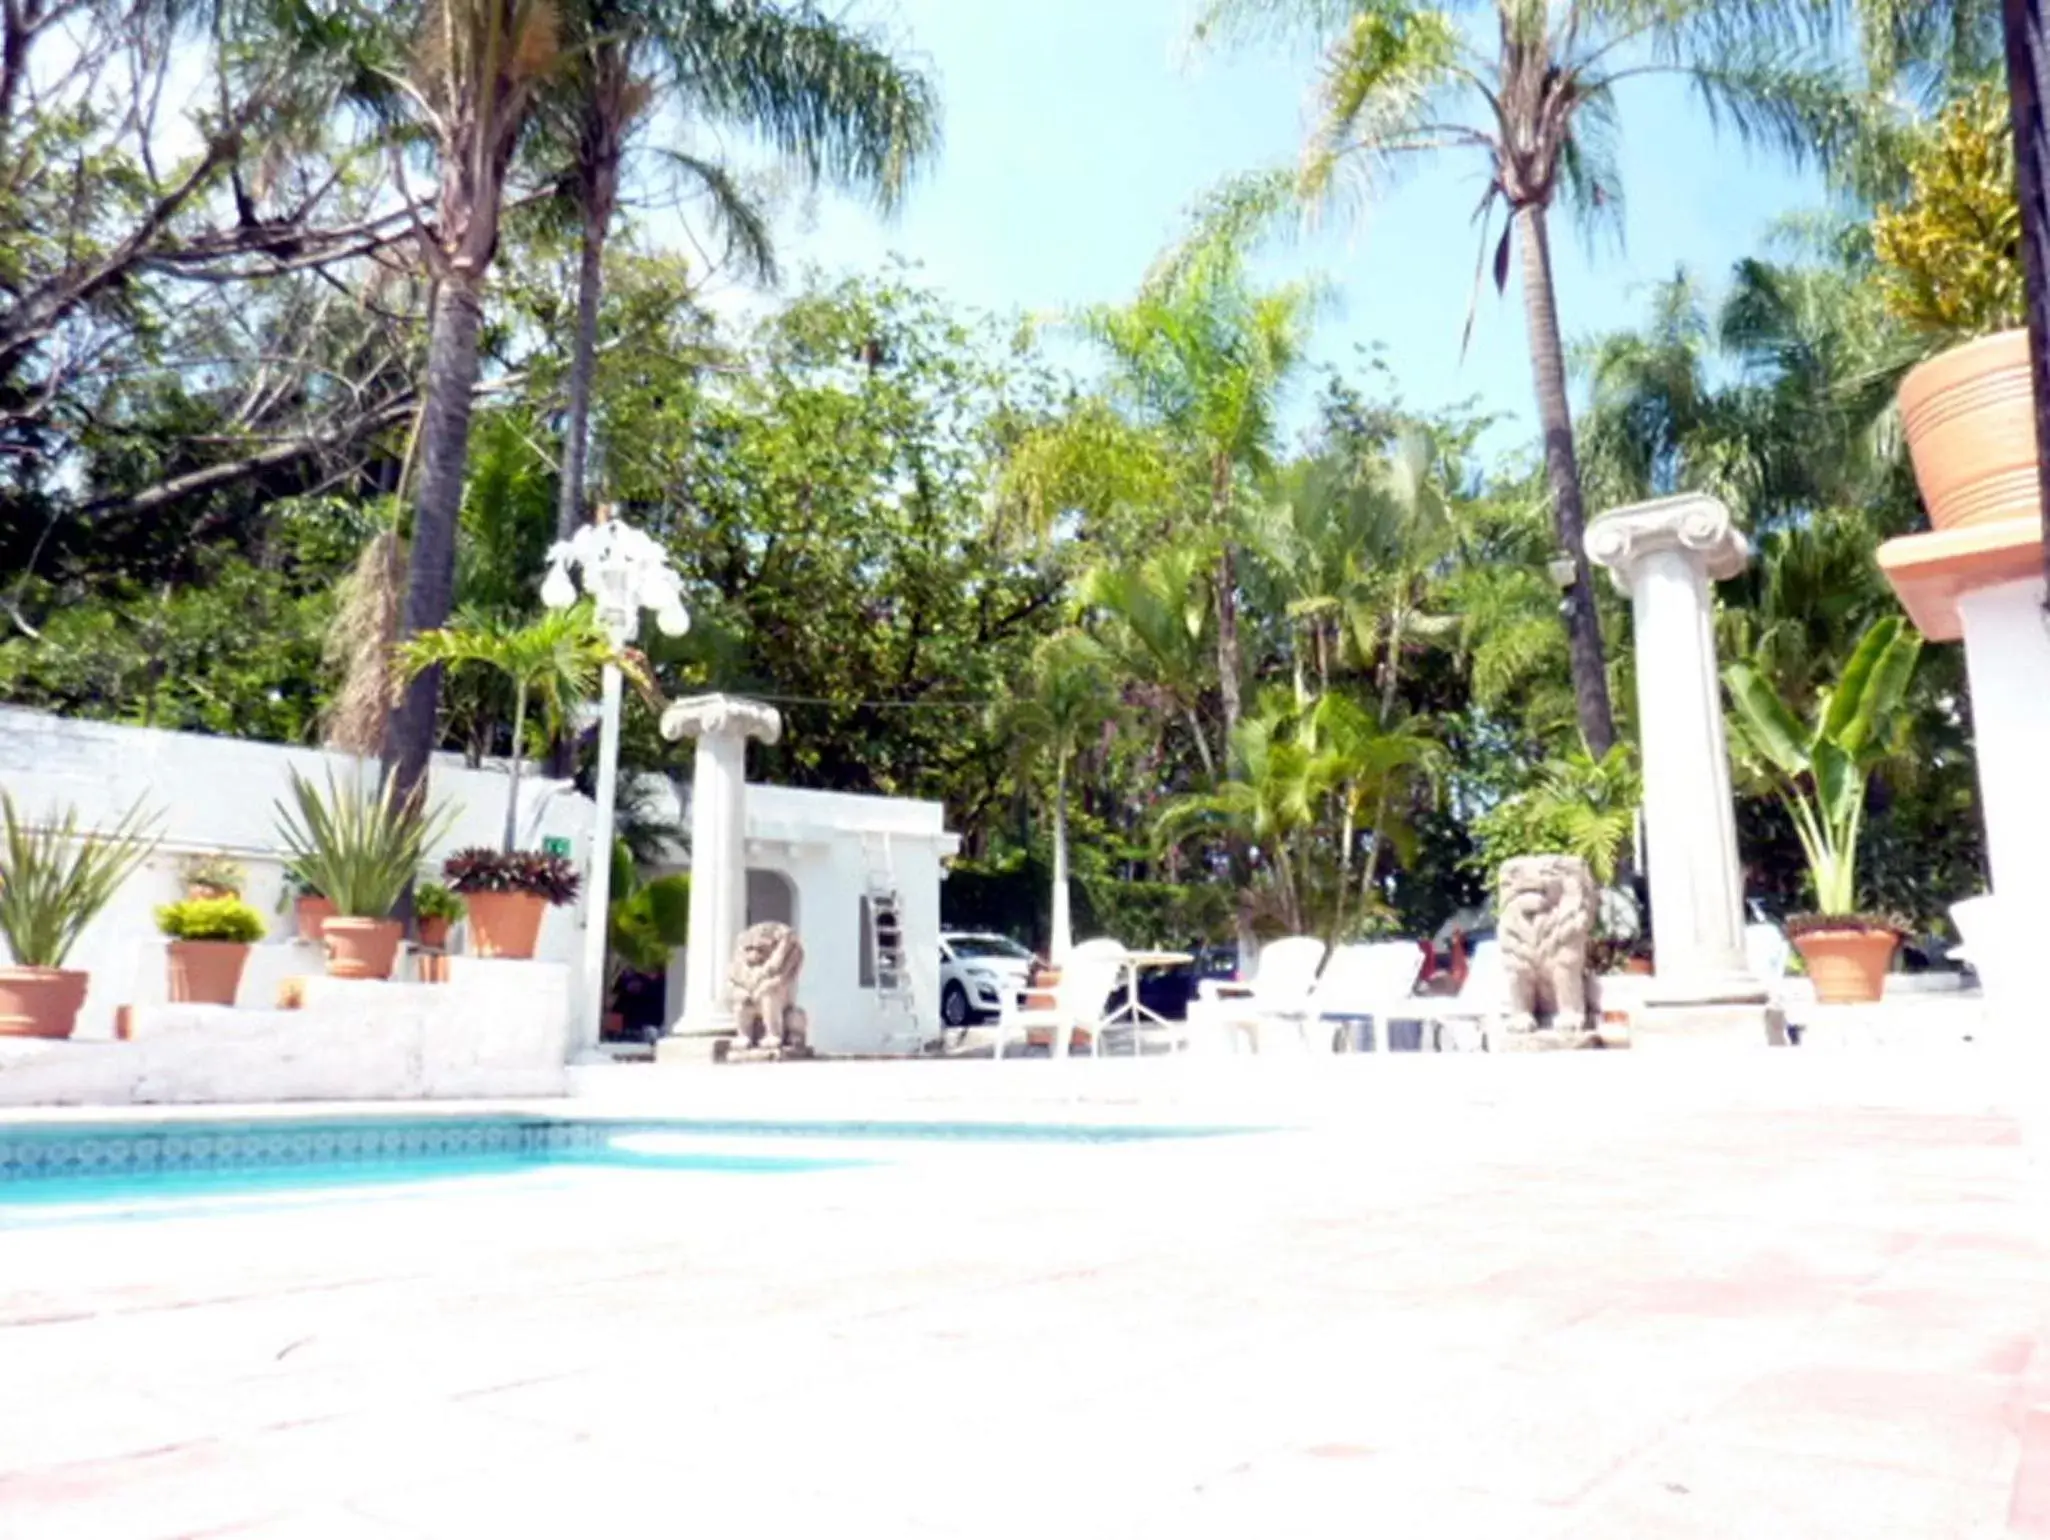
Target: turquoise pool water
136 1170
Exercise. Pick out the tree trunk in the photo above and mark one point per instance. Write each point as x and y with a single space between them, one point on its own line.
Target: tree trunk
1062 940
600 196
430 574
2028 78
1390 679
1569 520
512 792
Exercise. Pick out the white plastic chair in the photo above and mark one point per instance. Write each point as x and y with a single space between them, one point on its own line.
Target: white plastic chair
1371 979
1766 950
1088 976
1279 992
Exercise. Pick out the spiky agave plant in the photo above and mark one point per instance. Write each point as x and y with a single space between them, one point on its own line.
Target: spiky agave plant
359 845
55 878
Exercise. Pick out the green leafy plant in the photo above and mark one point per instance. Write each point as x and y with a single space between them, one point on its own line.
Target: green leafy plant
1821 769
220 872
55 878
1950 256
648 919
210 919
432 901
356 845
1579 806
481 870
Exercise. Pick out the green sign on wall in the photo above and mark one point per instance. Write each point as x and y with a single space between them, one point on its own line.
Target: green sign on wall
555 845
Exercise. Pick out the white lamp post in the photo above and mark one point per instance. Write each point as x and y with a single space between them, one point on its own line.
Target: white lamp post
623 572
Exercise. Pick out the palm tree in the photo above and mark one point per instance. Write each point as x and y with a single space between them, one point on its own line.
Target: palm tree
1152 619
1539 106
555 662
477 68
1205 357
827 97
1373 762
1072 698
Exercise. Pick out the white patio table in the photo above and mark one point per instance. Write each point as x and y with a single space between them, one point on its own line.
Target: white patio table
1134 1013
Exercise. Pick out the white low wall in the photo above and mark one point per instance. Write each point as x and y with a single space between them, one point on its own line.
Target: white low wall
221 794
494 1029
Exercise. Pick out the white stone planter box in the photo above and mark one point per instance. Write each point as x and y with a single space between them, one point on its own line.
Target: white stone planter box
495 1029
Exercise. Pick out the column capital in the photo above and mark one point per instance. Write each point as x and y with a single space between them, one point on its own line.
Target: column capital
712 716
1692 523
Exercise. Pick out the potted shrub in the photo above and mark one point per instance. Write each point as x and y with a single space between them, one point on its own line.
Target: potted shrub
53 880
1821 771
358 845
210 940
1950 267
506 893
216 876
311 908
435 909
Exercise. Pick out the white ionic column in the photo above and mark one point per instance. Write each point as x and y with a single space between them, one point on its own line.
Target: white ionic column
722 724
1663 554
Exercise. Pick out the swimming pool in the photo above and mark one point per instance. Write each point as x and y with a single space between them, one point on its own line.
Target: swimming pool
132 1168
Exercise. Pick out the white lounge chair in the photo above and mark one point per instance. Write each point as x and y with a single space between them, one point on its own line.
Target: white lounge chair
1766 950
1482 998
1231 1013
1371 979
1089 974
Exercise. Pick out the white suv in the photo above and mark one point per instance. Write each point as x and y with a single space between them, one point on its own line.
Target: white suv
976 971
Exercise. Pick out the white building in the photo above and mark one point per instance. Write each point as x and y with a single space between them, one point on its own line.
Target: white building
820 862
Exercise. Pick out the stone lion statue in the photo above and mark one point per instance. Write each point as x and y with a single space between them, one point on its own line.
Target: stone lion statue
763 979
1546 908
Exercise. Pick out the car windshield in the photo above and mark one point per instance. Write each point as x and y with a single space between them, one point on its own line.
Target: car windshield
986 946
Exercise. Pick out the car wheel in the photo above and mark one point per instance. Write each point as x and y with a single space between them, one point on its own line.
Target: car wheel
954 1006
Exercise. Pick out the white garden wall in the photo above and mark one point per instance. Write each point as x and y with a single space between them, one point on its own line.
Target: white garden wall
221 794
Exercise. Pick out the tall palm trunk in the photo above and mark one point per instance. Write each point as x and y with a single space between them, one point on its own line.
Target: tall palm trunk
1062 941
431 571
601 149
1555 416
1228 696
1390 678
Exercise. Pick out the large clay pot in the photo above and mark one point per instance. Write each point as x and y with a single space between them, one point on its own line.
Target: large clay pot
40 1002
504 924
1848 967
207 972
1969 419
361 949
311 912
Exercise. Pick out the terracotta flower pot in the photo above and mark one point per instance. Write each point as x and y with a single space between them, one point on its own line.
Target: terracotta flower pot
1969 419
1848 966
207 972
361 949
310 912
40 1002
504 924
434 933
206 890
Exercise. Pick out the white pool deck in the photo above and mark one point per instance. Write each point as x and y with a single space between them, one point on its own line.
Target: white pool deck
1772 1295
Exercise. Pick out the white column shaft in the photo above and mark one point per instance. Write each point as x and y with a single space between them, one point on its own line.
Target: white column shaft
1697 898
718 877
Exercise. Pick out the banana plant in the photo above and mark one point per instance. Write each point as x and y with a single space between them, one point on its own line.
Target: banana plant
648 919
1821 769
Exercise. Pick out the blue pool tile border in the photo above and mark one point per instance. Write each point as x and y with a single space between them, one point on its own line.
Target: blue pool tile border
111 1150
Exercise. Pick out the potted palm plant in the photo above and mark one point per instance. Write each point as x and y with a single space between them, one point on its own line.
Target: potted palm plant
210 940
1821 770
506 893
54 879
1950 267
359 845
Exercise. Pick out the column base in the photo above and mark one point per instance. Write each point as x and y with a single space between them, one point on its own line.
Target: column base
1749 1024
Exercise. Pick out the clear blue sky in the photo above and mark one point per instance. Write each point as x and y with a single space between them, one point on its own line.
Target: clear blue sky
1079 131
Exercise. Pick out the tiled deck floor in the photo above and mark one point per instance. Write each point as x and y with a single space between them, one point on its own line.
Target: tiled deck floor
1617 1298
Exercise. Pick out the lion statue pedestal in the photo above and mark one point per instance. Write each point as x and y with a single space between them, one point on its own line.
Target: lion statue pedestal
1546 908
